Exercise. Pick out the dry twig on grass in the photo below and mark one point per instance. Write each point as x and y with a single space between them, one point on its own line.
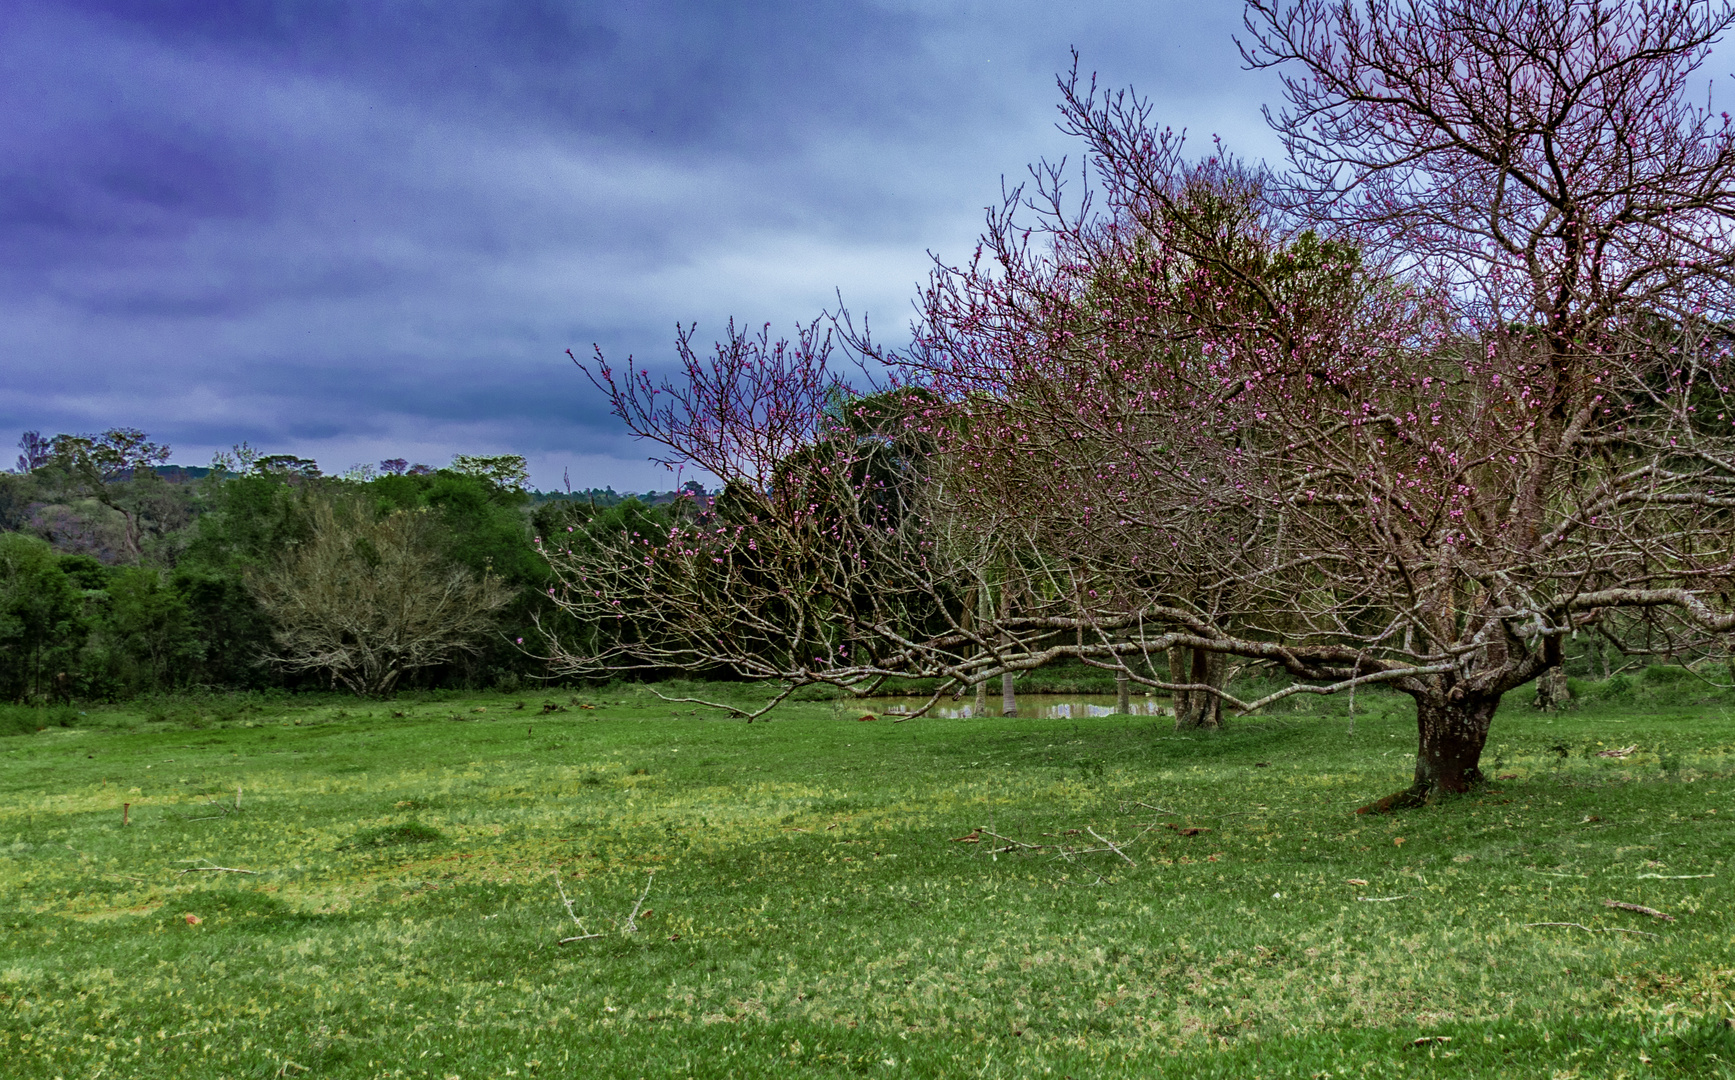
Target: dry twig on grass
1111 845
1640 908
1675 877
630 926
583 934
1383 899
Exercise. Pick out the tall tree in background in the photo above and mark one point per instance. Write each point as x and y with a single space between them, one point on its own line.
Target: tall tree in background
42 620
118 470
37 451
367 600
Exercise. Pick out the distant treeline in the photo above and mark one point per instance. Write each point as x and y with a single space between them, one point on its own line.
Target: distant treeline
122 575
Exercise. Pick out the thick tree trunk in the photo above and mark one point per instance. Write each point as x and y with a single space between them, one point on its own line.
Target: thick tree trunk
981 708
1196 708
1450 736
1123 694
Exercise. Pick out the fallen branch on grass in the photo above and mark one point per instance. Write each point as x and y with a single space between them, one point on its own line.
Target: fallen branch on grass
630 926
1110 844
1675 877
1594 929
216 870
1383 899
1640 908
1625 751
583 934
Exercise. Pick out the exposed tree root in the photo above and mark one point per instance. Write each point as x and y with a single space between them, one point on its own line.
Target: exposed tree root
1419 795
1407 799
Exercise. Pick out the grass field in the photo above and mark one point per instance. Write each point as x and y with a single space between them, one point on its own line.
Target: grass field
812 910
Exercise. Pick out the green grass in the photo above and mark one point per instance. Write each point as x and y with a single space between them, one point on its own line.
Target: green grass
812 914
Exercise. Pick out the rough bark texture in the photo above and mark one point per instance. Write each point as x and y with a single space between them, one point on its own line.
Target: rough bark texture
1551 691
1123 694
1196 708
1450 736
1008 696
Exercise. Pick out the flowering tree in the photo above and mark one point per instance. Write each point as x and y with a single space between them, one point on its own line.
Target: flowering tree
1453 389
808 566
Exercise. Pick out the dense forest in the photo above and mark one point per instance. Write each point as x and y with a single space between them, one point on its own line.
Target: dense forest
123 575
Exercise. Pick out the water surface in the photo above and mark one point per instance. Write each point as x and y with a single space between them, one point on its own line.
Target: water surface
1037 706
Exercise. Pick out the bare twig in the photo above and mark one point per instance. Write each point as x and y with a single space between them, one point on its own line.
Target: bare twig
632 926
1640 908
1111 845
216 870
1675 877
1014 843
1382 899
583 933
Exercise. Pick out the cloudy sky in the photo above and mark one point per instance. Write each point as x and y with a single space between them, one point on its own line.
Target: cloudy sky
358 229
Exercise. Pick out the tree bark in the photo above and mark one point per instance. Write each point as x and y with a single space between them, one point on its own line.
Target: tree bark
1551 691
1123 694
1196 708
982 605
1008 697
1450 736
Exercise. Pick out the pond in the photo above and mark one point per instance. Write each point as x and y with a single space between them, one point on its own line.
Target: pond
1037 706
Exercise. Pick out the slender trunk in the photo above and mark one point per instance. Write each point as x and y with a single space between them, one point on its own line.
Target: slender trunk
1123 693
1178 674
1450 736
1008 697
986 615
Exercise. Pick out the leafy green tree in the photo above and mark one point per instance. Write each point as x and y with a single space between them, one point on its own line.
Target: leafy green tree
41 618
509 472
146 636
118 470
